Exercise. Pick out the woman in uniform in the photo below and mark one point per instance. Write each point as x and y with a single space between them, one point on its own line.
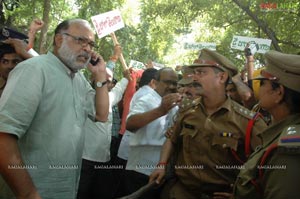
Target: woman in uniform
272 171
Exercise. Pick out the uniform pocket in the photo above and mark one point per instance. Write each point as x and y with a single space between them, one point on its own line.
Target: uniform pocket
222 151
188 133
225 142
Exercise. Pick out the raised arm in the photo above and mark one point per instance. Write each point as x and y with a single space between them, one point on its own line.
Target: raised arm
35 26
134 122
101 100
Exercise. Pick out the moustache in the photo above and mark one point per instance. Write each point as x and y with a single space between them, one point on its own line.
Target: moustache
196 84
85 55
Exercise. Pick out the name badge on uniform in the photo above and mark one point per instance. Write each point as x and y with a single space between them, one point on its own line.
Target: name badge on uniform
225 134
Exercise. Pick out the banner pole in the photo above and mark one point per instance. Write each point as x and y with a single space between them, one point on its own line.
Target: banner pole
115 41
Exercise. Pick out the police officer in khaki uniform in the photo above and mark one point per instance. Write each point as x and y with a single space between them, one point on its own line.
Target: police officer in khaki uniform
208 137
188 88
189 91
272 171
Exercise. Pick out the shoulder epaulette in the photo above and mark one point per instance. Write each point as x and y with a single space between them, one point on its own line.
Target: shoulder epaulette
187 104
243 110
289 139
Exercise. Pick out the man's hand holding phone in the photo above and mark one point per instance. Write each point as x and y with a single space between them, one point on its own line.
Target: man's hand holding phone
97 67
94 62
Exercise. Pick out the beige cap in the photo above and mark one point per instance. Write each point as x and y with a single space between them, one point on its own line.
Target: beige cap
214 59
283 68
187 77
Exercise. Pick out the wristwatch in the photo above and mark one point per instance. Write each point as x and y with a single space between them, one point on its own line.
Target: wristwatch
100 84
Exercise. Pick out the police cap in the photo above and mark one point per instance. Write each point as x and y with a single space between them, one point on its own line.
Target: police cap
283 68
214 59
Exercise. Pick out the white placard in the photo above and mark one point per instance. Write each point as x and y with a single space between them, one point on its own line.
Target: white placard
239 42
137 65
107 23
200 46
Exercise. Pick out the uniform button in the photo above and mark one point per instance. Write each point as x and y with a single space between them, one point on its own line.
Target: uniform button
224 146
258 148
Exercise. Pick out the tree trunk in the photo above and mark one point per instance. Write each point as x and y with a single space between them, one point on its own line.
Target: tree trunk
43 37
262 24
2 17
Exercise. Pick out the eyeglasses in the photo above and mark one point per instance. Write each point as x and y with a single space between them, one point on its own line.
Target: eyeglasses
169 82
82 41
12 61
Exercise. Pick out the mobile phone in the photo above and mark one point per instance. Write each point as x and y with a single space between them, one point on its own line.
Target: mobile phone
252 49
94 62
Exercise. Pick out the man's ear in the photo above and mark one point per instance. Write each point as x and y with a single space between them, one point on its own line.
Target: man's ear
223 77
152 83
58 39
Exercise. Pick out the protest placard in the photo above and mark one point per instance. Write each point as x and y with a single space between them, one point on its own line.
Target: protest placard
136 64
240 42
200 46
107 23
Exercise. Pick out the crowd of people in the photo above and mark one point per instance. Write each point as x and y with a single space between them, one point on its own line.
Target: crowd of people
204 134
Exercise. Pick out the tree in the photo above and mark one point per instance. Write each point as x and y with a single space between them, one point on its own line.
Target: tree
9 5
43 38
164 24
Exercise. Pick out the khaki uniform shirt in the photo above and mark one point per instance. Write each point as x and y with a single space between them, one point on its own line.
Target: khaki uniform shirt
204 143
281 176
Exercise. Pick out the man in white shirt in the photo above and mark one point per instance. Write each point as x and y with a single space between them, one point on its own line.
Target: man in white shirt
96 165
148 120
146 84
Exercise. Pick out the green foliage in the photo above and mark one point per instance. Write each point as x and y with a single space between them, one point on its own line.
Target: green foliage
157 29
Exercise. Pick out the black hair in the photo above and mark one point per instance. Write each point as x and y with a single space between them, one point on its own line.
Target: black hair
6 49
147 76
62 26
291 98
